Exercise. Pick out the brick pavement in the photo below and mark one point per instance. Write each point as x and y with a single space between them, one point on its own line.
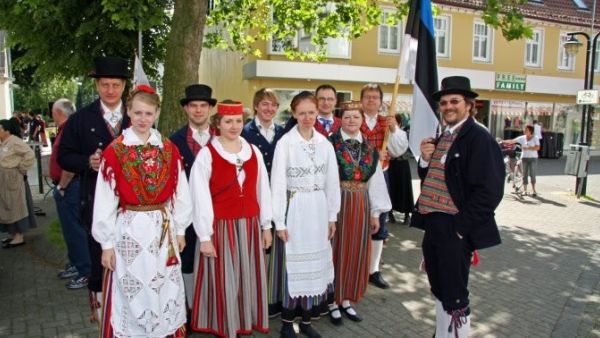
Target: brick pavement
544 280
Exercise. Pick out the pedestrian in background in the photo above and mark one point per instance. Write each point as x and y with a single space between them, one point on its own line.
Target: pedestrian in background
462 175
16 157
530 145
66 195
401 192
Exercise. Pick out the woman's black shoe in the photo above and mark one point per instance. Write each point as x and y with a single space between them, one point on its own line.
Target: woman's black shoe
309 331
337 321
287 331
354 318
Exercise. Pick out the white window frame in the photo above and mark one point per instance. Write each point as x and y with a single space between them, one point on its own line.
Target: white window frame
447 19
565 61
536 41
489 43
383 25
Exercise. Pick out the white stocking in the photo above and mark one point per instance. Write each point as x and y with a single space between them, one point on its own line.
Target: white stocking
376 250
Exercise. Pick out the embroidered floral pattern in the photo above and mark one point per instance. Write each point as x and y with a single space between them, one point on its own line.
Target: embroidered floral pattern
358 168
146 167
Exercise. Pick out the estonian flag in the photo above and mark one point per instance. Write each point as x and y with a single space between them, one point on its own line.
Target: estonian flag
418 64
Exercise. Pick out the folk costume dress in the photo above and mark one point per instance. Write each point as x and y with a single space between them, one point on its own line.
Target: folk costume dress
306 197
142 202
364 194
232 203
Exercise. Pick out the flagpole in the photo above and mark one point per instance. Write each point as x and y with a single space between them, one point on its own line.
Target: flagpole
391 113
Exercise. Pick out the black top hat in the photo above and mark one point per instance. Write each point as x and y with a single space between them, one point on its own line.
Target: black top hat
198 92
455 85
112 67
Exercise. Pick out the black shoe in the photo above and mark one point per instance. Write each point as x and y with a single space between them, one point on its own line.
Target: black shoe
309 331
406 219
376 279
337 321
69 272
77 283
354 318
10 245
287 331
391 217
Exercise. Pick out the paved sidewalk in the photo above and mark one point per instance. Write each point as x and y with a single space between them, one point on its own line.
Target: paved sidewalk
544 280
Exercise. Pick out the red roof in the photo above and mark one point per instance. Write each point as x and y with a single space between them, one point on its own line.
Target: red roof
559 11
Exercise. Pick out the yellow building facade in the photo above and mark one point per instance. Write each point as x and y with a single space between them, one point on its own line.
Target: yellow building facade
518 81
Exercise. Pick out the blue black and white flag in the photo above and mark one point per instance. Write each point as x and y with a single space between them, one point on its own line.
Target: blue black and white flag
418 65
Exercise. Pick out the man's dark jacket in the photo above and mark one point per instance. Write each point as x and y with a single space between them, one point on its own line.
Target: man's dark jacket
84 132
253 136
474 171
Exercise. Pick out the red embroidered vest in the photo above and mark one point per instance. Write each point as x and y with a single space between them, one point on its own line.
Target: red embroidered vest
229 200
144 175
376 135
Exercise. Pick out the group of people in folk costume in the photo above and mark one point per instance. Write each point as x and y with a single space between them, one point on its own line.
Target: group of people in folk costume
274 219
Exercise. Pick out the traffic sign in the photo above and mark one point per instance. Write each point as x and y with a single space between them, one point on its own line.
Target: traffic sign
589 96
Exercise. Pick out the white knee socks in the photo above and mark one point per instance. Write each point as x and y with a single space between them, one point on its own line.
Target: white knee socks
376 250
443 321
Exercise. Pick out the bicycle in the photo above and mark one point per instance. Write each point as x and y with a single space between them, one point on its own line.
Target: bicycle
513 166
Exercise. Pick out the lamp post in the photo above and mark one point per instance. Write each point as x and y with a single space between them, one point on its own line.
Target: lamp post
572 47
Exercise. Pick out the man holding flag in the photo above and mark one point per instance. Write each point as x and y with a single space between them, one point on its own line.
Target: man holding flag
374 129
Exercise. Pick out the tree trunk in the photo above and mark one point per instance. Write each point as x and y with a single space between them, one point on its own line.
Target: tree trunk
182 60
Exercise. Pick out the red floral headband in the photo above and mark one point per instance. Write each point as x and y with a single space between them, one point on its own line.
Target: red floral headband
145 88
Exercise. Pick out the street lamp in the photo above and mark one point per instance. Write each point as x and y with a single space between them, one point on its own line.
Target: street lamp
572 47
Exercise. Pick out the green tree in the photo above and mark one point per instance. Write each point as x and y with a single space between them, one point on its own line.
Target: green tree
37 97
60 37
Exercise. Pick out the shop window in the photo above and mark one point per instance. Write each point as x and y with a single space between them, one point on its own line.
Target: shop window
533 49
442 35
482 42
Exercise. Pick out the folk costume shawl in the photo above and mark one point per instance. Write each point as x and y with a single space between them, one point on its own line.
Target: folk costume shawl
349 170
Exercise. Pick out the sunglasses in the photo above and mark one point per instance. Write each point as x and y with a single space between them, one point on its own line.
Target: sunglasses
453 102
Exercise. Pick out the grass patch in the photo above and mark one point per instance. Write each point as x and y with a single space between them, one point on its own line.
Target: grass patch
55 236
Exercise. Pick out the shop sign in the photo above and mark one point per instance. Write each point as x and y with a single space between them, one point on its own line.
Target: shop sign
510 82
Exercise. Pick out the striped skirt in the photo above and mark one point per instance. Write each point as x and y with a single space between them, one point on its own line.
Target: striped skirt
230 296
352 246
275 276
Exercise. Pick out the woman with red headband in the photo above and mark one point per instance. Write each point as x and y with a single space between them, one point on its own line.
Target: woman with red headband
232 218
141 210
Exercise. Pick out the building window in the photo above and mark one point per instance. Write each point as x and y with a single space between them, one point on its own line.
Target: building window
442 35
482 42
533 49
565 62
389 36
581 5
335 47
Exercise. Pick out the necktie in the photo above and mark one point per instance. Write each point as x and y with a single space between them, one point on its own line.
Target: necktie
326 123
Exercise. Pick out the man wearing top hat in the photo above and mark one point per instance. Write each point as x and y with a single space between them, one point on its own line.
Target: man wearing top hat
189 139
462 175
85 135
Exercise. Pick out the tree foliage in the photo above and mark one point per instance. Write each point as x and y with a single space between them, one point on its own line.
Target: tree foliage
60 38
